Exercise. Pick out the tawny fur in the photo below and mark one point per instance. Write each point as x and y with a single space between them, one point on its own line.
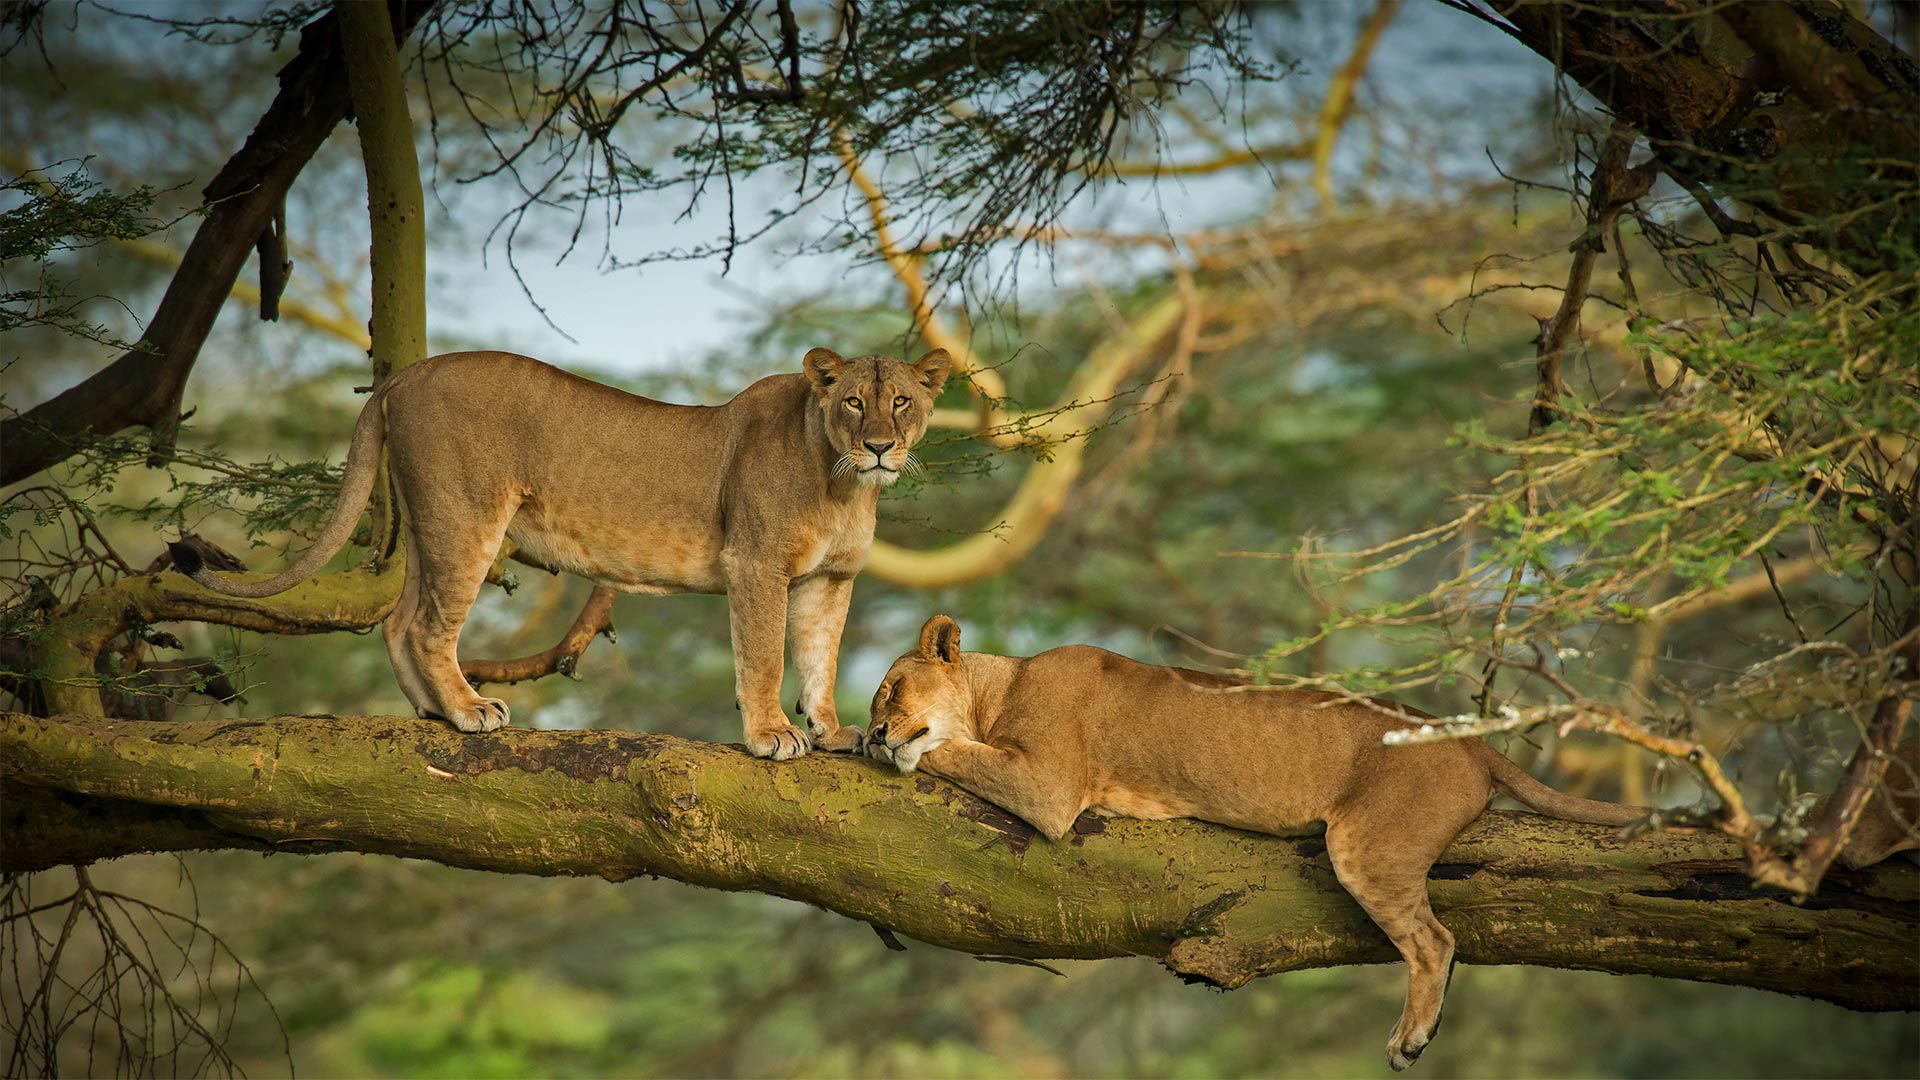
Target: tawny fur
769 498
1081 728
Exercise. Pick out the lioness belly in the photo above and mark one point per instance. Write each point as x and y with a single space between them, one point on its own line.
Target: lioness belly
673 559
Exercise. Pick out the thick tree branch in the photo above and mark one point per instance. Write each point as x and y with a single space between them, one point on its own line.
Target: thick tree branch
1813 90
145 385
922 858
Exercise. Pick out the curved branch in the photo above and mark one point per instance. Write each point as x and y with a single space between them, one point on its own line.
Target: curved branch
1048 481
1339 100
350 600
985 382
927 860
595 618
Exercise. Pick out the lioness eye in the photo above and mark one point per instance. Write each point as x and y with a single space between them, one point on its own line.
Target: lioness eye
853 403
900 402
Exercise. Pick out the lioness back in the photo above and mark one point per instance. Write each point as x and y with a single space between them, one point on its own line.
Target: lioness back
1267 759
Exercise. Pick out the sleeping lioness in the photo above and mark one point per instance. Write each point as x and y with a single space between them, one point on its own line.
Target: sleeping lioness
768 498
1075 728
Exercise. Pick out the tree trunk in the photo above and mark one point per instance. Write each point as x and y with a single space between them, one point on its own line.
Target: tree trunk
244 204
918 856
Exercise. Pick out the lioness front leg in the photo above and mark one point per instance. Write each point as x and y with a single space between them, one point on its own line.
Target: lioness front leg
1047 798
757 610
816 614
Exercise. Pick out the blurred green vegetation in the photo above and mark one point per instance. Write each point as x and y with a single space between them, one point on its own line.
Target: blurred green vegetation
388 967
1332 412
384 967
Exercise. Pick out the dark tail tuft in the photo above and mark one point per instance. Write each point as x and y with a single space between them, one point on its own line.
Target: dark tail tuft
186 558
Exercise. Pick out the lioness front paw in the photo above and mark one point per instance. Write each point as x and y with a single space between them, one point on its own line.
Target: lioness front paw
825 731
483 714
781 743
907 757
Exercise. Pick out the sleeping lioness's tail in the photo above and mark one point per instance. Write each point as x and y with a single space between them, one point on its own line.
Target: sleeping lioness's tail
363 462
1540 798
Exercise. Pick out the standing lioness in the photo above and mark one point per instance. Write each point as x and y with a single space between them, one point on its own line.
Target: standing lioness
768 498
1051 735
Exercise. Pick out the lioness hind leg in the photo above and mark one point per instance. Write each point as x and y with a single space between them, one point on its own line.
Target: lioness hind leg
450 581
398 626
1386 871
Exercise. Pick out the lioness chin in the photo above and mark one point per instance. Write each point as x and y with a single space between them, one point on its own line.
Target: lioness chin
1049 736
769 498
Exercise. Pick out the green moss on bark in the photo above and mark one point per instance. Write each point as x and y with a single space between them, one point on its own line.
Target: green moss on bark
927 860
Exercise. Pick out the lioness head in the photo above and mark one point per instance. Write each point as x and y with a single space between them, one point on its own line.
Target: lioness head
875 408
923 701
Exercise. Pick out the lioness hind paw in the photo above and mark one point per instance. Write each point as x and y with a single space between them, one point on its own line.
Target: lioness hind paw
1402 1055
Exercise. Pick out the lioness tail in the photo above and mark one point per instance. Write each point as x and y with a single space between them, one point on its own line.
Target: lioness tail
1540 798
363 461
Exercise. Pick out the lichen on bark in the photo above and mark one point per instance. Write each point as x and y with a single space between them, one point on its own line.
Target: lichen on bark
925 859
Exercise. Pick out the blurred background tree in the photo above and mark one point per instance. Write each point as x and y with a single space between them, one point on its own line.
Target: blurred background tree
1224 278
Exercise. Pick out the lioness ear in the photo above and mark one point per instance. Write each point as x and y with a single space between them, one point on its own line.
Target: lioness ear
823 367
940 640
933 369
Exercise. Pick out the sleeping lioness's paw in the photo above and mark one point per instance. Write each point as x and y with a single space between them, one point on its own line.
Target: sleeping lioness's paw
482 714
840 740
782 742
905 754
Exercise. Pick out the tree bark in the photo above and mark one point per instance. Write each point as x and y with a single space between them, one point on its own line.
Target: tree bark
1767 102
920 857
244 201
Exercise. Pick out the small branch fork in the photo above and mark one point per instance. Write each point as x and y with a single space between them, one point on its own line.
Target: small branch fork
1611 189
595 619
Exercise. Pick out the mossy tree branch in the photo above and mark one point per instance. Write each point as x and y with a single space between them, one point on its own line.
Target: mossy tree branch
925 859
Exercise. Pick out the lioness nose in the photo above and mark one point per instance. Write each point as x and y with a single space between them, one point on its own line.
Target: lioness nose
878 734
879 448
